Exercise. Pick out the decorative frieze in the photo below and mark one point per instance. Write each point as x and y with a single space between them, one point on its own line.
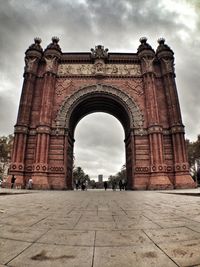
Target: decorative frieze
99 67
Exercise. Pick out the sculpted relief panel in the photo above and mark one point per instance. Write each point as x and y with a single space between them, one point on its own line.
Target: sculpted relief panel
99 68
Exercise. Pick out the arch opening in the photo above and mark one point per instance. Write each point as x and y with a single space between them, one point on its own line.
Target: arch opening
99 103
104 99
99 145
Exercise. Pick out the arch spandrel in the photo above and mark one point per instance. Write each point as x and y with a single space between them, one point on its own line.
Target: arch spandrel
134 113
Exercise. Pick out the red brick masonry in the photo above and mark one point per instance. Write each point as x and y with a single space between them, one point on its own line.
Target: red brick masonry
139 89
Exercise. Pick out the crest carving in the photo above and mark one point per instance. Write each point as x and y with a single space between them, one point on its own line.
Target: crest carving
99 52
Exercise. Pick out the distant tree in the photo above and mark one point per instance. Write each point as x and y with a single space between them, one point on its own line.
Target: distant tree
80 176
121 175
193 149
92 184
6 143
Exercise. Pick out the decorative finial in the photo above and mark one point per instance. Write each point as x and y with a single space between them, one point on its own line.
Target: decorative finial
143 40
161 40
37 40
55 39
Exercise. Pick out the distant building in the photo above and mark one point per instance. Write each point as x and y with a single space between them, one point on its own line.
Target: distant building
100 178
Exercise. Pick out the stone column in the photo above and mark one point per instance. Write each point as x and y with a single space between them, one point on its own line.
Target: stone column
32 58
51 58
69 158
181 168
158 178
130 159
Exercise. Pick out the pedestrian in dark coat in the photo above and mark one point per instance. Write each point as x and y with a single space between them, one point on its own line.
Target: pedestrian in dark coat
105 184
13 181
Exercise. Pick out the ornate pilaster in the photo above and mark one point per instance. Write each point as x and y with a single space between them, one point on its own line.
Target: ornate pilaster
69 158
158 177
181 168
32 59
130 159
51 57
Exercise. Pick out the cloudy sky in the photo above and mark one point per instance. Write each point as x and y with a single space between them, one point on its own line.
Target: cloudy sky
118 25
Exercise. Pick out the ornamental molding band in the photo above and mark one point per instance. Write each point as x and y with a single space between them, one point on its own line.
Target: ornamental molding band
61 88
136 116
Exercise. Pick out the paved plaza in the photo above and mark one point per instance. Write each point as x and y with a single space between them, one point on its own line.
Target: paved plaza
99 229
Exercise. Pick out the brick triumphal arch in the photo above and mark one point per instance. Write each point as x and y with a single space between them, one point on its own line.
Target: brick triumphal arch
137 88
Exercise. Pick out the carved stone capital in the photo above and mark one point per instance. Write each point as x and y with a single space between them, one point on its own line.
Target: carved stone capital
51 63
147 64
31 64
168 65
43 129
21 129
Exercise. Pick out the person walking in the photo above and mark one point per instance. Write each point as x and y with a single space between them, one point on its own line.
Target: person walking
120 185
105 184
77 184
13 181
113 185
30 183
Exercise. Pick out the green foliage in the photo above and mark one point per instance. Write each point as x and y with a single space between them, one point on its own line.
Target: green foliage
193 149
121 175
5 147
80 176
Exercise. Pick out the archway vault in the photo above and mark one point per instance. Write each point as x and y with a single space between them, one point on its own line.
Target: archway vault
100 98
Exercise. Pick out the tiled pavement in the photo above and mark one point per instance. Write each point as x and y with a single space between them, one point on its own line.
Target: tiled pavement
99 229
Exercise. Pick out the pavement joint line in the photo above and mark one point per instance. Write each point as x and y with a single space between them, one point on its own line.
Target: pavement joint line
81 215
34 242
161 249
191 220
193 229
94 246
152 221
68 213
113 216
39 221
